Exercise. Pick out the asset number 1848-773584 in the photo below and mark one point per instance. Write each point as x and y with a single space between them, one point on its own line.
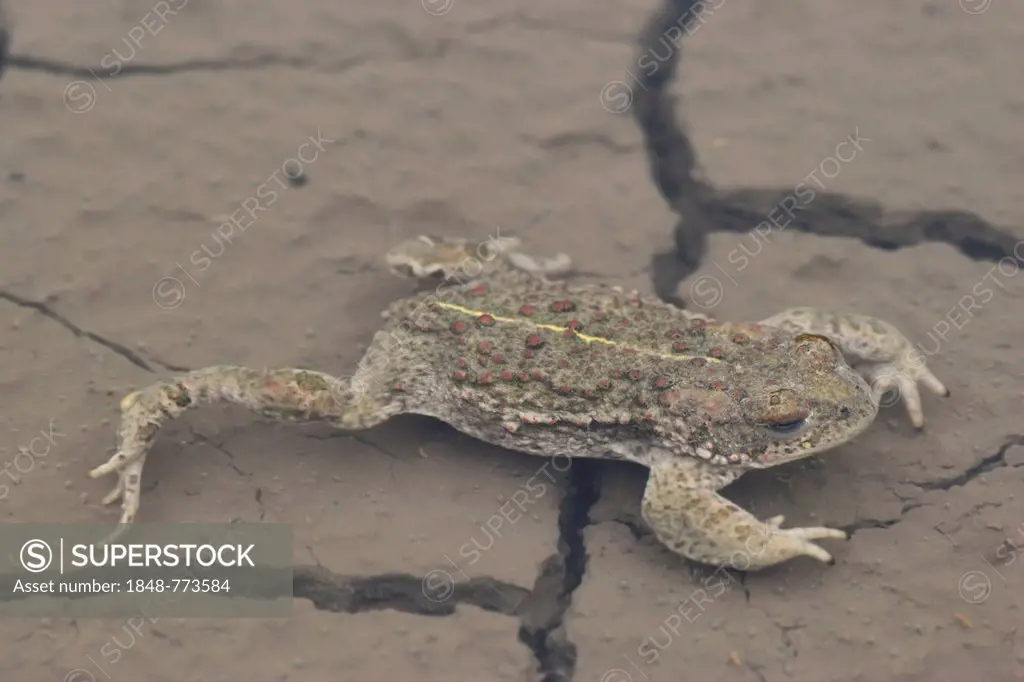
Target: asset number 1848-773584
195 585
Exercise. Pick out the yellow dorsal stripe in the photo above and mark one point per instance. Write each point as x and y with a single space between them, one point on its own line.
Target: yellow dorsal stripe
584 337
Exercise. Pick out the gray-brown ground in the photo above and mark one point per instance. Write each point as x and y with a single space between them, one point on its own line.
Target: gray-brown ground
482 118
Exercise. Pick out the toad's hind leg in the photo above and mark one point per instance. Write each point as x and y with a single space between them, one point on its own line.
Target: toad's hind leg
689 517
290 395
428 256
880 352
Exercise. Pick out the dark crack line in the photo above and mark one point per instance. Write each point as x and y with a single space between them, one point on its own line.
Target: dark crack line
578 140
756 670
402 592
996 460
704 209
636 529
5 39
45 310
58 67
351 435
543 612
200 438
863 524
787 641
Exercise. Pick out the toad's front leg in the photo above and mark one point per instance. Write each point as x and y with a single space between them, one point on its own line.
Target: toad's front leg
689 517
883 355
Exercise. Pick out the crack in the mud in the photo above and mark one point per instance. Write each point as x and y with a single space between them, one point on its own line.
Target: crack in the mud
329 591
788 645
200 438
996 460
57 67
5 40
864 524
402 592
44 309
637 530
543 613
704 208
352 435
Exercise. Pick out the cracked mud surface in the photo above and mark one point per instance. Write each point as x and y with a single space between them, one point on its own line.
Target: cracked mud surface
483 118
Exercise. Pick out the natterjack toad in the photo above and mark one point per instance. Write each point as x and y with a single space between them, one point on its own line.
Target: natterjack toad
504 354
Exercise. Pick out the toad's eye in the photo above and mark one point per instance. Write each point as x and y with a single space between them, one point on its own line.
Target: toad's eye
783 414
788 429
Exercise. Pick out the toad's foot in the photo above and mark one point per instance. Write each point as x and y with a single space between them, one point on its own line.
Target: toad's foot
428 256
687 515
292 395
884 356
